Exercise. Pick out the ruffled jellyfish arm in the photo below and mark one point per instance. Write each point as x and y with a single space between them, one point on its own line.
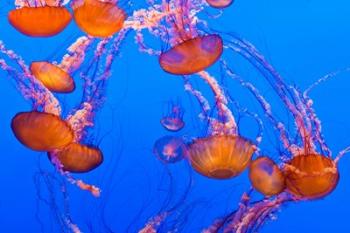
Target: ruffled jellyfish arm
249 217
203 102
76 54
28 85
221 102
94 190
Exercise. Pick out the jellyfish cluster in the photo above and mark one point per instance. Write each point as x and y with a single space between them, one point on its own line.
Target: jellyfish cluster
304 169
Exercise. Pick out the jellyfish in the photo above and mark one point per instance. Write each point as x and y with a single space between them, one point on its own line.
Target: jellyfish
219 3
311 176
175 22
41 131
173 120
170 149
192 55
220 156
98 18
37 18
306 163
78 158
266 177
52 77
46 114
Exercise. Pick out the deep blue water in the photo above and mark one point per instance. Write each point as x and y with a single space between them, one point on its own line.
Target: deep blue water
303 39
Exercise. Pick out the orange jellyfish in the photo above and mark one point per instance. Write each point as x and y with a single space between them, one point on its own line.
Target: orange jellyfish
41 131
97 18
220 156
219 3
311 176
52 77
39 21
266 177
78 158
193 55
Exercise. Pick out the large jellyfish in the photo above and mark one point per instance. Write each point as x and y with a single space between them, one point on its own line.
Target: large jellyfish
98 18
39 18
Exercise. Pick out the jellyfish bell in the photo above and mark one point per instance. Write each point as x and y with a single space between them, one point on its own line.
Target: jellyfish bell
41 21
170 149
220 156
311 176
220 3
98 18
41 131
173 119
52 77
266 177
193 55
172 124
77 158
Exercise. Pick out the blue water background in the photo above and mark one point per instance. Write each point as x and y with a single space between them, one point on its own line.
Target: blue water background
303 39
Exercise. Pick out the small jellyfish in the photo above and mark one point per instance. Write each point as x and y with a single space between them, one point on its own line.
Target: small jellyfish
193 55
219 3
311 176
266 177
52 77
220 156
170 149
41 131
98 18
78 158
173 120
41 21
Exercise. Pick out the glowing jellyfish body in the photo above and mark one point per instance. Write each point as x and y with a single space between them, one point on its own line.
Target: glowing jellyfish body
43 21
52 77
99 19
219 3
266 177
41 131
78 158
192 56
311 176
220 156
172 124
170 149
173 120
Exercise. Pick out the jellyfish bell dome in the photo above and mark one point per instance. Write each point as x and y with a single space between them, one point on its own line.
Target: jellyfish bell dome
193 55
98 18
170 149
41 131
311 176
77 158
266 177
220 156
220 3
41 21
52 77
